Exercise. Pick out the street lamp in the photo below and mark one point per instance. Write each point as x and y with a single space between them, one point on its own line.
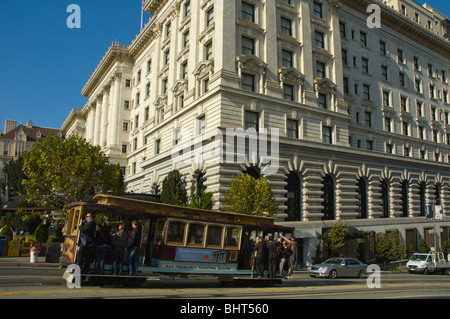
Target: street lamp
434 221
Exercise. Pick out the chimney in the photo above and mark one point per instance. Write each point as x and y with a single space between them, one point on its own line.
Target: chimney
9 125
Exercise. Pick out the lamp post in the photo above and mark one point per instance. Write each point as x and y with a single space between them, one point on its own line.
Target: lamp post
434 222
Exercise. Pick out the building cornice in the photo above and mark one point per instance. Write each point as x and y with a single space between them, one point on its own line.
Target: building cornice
115 52
398 21
154 6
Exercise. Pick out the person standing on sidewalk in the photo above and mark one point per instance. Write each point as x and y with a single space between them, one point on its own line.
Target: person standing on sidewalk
293 257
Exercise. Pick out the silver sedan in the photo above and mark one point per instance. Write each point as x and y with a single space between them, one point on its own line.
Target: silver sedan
338 267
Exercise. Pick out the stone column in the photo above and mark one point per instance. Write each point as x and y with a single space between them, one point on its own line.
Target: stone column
115 110
98 116
104 116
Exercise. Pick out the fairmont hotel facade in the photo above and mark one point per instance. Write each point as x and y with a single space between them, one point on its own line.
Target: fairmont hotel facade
360 116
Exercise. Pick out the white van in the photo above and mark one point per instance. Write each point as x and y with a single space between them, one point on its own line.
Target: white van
428 263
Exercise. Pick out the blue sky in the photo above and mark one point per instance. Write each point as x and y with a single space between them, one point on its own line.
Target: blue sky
44 65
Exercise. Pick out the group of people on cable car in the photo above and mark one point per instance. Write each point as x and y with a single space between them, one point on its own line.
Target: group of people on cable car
95 242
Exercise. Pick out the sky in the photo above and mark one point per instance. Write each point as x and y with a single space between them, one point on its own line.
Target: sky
44 64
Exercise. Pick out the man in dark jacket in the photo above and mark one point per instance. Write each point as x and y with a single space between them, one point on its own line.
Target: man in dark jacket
272 247
133 248
261 255
87 242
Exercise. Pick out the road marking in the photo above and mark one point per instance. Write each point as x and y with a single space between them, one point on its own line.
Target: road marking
200 290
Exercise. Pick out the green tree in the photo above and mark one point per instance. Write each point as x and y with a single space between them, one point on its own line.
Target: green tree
173 189
14 170
384 248
24 220
251 196
41 233
202 199
335 238
60 171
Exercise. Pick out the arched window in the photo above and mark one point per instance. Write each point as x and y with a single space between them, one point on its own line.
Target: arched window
293 197
404 191
362 198
437 194
328 197
422 202
253 171
385 198
199 181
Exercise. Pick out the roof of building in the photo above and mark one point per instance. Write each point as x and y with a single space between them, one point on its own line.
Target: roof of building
32 133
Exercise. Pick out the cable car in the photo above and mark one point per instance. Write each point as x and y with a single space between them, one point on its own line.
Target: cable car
176 240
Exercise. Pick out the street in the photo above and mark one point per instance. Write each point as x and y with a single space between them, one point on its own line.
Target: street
47 283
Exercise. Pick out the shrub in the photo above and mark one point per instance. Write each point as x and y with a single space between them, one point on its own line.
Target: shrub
41 233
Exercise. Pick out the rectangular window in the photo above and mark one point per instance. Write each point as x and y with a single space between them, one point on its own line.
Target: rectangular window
320 70
292 128
186 38
400 58
342 29
288 92
327 137
319 39
323 103
157 146
401 79
368 119
214 236
248 82
248 46
363 39
208 50
365 65
317 9
209 16
384 72
248 11
286 26
287 57
232 237
176 233
196 235
252 120
382 47
366 92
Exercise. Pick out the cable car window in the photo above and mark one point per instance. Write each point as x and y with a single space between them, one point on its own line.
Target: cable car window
68 223
75 221
196 234
175 232
232 237
214 236
159 232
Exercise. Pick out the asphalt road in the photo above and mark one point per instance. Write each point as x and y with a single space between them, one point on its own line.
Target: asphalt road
47 283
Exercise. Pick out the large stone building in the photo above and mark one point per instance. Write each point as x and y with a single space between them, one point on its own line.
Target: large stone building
353 122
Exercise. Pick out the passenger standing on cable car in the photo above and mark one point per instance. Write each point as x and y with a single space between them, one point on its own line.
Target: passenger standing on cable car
119 241
102 242
272 247
261 254
133 248
87 242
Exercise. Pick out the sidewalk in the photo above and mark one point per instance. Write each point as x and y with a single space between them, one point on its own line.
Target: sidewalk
25 262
